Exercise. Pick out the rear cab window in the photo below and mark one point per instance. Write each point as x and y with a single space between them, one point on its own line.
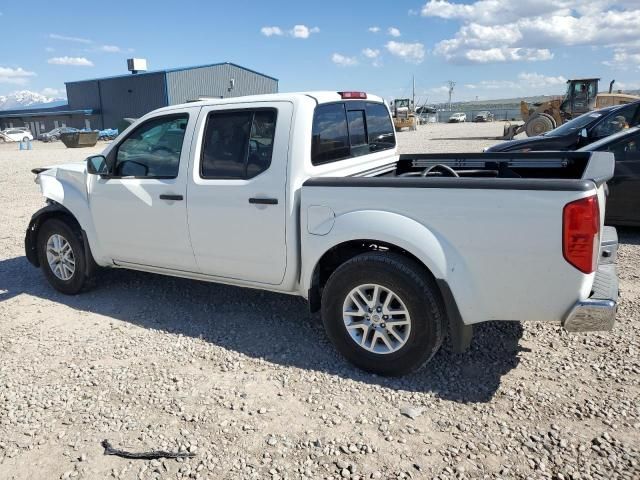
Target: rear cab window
350 129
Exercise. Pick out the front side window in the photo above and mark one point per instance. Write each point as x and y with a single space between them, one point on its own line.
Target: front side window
620 120
153 149
238 144
351 129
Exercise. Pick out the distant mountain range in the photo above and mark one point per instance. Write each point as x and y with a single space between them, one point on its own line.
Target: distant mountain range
28 99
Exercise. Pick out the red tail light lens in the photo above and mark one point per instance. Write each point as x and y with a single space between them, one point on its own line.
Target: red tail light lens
580 233
353 95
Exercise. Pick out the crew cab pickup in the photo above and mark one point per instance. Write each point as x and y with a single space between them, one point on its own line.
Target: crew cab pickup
305 194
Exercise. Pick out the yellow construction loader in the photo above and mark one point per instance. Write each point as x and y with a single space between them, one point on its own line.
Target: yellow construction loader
581 96
404 115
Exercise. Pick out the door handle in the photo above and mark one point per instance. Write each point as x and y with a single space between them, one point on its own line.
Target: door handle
264 201
166 196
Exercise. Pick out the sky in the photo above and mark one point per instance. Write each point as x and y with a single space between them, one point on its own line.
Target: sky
490 48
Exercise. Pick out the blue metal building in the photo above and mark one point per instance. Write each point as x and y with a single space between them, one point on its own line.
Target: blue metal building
103 102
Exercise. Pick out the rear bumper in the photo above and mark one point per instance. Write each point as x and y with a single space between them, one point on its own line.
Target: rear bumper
598 312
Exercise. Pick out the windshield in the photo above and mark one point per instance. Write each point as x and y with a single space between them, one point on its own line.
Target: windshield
578 123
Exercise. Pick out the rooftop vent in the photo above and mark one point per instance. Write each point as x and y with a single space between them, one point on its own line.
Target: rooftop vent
135 65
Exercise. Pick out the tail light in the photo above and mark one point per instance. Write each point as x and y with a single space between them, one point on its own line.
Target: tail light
580 233
353 95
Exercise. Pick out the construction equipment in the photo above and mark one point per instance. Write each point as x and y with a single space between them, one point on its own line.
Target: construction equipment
404 115
581 96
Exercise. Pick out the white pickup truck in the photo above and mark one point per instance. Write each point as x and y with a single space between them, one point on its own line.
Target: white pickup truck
305 194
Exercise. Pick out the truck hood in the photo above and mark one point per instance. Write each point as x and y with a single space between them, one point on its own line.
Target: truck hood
54 180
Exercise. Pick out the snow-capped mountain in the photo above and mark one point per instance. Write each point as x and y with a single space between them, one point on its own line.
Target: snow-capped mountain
26 99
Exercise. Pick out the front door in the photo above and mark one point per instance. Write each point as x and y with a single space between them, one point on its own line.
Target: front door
139 211
237 191
623 202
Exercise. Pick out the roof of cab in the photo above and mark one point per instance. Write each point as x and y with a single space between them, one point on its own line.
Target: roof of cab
318 97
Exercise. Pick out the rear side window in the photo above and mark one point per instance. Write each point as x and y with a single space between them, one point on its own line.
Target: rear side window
238 144
346 130
330 137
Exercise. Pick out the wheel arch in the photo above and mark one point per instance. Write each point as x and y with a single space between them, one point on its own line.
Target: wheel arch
402 235
58 211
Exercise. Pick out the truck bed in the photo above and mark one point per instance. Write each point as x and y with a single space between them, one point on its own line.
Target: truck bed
531 166
494 233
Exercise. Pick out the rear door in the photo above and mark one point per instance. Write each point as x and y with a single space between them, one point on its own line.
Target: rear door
237 191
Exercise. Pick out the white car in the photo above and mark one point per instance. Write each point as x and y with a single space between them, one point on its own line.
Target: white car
305 194
15 135
458 117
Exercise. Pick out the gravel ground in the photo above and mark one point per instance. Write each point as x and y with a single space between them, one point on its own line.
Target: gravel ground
247 381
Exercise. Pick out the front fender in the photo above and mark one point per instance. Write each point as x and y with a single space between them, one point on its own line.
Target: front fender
432 249
66 186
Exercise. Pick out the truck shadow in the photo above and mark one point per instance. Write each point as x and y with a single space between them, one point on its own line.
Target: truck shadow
277 328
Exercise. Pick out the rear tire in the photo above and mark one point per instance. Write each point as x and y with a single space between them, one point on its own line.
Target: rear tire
382 341
539 124
62 257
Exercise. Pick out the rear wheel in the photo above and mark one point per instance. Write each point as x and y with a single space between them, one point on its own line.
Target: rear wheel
539 124
25 139
384 313
62 257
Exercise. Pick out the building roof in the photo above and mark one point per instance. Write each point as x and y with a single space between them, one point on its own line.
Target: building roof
166 70
47 113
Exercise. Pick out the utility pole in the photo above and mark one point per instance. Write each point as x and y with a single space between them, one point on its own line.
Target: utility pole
450 84
413 95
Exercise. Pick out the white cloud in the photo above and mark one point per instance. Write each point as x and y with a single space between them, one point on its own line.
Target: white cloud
343 60
271 31
110 49
371 53
525 83
15 76
374 29
394 32
410 52
537 80
495 55
298 31
73 61
54 92
625 58
492 30
55 36
302 31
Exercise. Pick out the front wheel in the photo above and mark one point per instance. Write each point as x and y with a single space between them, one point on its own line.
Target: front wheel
384 313
62 257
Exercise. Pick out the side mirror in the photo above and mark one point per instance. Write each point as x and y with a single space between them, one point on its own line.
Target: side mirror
97 165
583 133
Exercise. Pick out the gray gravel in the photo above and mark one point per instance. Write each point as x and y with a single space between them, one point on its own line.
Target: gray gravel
247 381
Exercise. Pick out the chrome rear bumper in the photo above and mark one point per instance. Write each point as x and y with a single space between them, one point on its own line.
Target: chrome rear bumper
598 312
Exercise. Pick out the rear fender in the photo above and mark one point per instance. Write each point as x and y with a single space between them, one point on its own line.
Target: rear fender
434 251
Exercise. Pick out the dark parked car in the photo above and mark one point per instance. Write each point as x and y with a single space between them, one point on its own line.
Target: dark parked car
623 201
54 135
579 132
485 116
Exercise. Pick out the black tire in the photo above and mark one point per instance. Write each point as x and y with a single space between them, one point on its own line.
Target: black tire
413 285
539 124
79 279
25 139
